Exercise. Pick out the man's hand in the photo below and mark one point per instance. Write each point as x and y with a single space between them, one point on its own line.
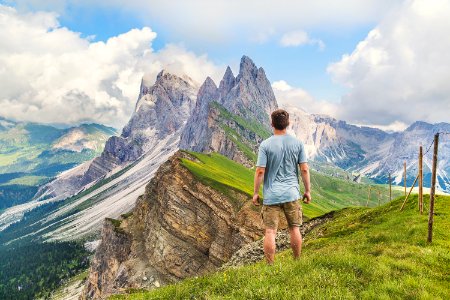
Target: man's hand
255 199
306 198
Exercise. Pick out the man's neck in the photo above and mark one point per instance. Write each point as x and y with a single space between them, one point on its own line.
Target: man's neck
279 132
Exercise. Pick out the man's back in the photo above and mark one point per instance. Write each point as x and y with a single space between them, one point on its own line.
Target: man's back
280 155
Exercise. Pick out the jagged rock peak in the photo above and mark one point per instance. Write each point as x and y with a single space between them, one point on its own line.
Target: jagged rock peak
247 67
207 92
227 82
209 83
418 125
165 76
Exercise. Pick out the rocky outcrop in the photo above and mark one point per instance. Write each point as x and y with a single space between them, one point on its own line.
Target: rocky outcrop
110 255
179 228
233 118
162 110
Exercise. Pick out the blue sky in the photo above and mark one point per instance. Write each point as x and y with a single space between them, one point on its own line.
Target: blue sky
360 61
303 66
300 66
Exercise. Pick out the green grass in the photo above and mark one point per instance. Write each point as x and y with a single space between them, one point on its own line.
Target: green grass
29 180
363 253
252 125
222 174
10 158
237 140
329 193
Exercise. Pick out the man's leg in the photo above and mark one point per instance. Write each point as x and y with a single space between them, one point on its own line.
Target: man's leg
269 245
296 241
270 215
293 213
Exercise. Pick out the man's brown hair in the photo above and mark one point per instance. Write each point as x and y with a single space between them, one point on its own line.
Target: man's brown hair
280 119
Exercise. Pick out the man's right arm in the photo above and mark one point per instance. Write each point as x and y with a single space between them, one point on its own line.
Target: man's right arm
304 169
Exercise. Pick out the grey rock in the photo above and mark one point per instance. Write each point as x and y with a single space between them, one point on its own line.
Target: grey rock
225 118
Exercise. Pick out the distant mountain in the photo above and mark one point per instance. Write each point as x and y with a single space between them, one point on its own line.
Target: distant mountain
31 154
371 151
404 146
109 185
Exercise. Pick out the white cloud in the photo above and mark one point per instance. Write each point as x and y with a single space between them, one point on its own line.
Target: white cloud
50 74
400 72
288 96
394 126
221 21
298 38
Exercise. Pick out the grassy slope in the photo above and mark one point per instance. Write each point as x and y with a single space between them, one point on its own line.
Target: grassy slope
328 193
364 253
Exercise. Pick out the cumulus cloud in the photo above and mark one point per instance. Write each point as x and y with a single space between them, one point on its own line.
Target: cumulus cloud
50 74
298 38
288 96
399 72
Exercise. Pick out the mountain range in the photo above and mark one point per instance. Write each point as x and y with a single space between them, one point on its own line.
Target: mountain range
373 152
155 190
231 119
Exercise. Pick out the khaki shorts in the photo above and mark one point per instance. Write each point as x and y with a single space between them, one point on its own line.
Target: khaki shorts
292 211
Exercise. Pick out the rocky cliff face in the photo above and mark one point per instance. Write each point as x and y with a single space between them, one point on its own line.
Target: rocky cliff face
162 110
179 228
234 118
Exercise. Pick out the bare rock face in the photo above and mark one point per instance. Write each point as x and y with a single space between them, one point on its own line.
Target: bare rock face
252 94
161 110
179 228
161 113
196 134
233 118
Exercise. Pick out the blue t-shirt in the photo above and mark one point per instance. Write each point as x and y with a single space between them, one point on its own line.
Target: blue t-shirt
280 155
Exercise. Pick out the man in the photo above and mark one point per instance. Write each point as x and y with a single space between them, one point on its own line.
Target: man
279 158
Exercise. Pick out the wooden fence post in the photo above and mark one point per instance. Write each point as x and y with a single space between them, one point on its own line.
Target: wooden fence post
406 198
379 197
421 179
368 196
433 188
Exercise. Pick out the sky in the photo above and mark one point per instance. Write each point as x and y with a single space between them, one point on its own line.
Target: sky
381 63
